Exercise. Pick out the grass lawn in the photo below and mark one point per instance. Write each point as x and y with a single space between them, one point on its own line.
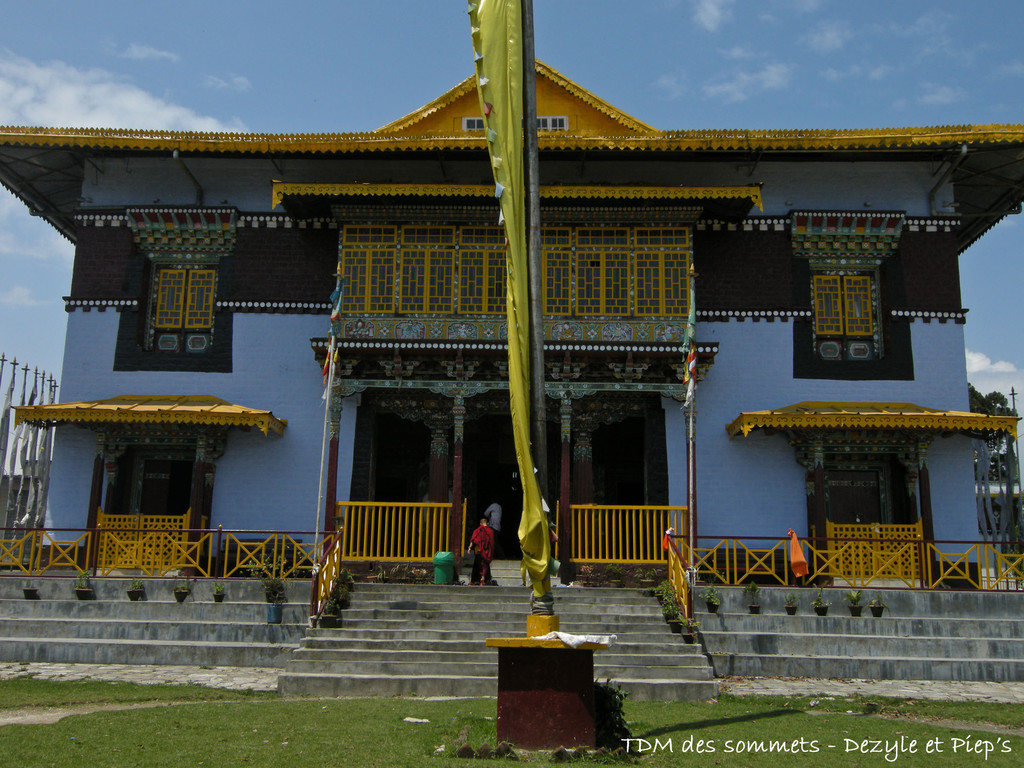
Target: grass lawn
183 726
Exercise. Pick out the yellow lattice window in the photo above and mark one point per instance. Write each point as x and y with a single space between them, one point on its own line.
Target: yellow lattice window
828 305
843 305
857 304
184 299
602 272
170 298
662 259
199 308
482 270
427 269
556 253
368 268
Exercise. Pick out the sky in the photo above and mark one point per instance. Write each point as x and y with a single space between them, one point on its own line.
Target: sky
353 65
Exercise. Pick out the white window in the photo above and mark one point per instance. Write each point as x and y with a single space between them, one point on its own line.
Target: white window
472 123
552 123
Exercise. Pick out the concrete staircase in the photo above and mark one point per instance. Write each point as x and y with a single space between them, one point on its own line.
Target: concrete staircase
113 630
934 635
428 640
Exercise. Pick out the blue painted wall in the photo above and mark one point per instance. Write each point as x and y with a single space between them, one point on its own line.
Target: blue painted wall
754 486
262 482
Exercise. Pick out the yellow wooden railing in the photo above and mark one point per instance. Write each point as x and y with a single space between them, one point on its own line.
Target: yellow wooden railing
411 532
141 542
622 534
862 553
678 560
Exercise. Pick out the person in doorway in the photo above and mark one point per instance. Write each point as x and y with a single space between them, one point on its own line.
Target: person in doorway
482 544
493 516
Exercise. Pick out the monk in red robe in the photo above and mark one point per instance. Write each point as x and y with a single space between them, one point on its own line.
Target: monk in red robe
482 542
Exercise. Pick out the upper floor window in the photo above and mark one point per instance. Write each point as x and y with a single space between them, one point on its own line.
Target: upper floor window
472 123
587 271
845 308
182 307
552 123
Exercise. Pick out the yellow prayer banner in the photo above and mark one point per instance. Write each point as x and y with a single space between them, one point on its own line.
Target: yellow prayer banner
498 53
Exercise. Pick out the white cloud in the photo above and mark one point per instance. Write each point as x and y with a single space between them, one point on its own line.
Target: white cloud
938 95
746 84
1013 68
737 52
671 86
233 83
710 14
55 94
18 296
138 52
829 37
988 376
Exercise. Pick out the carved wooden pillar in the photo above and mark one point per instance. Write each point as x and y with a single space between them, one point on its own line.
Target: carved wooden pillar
564 486
455 518
438 490
583 468
820 518
331 492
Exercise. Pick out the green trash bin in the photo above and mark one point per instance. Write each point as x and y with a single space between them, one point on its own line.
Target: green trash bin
444 568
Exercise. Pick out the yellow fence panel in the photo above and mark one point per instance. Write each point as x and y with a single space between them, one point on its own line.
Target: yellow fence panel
17 552
414 531
862 553
621 534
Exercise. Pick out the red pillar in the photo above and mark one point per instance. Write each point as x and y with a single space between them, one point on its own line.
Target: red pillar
583 469
331 503
438 491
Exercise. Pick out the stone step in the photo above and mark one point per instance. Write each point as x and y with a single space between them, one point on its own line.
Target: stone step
250 653
887 625
150 610
426 685
875 667
653 648
860 646
448 655
153 630
901 602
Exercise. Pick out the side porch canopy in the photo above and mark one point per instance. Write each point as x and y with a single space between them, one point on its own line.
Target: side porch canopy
152 409
901 430
818 416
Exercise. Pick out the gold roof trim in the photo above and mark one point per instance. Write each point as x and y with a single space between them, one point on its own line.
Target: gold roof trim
905 416
281 189
345 143
628 122
153 409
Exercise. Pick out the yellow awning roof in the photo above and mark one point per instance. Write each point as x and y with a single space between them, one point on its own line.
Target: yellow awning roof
153 409
900 416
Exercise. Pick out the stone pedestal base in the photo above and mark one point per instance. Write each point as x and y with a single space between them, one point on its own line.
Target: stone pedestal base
545 693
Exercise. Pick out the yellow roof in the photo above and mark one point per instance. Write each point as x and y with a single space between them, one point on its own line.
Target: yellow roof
899 416
664 141
152 409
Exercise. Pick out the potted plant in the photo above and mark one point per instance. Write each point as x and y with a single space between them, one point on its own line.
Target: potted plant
751 590
584 574
182 589
380 575
690 627
83 589
712 598
648 578
615 574
218 592
820 603
30 593
337 600
136 590
853 598
792 601
877 606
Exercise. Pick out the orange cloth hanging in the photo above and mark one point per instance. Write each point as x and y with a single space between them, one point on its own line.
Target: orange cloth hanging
796 555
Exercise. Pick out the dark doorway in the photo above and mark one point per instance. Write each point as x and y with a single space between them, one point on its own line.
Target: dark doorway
401 451
855 496
165 487
619 463
491 446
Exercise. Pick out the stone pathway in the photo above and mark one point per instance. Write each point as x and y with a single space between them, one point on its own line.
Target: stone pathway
265 679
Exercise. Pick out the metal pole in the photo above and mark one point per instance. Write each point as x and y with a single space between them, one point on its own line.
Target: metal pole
538 419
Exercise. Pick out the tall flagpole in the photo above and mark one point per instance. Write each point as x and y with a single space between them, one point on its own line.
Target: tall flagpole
538 421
